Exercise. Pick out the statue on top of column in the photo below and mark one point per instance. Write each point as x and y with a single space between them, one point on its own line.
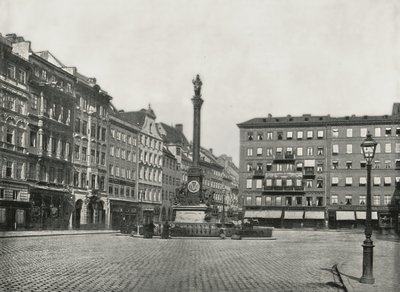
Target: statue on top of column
197 85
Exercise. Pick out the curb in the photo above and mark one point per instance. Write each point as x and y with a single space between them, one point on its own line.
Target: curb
54 234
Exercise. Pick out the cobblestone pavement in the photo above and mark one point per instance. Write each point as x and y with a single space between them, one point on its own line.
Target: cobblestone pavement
295 261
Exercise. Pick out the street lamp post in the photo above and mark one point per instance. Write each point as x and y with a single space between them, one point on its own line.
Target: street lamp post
139 211
368 148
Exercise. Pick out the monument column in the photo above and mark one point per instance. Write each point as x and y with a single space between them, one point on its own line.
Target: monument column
195 175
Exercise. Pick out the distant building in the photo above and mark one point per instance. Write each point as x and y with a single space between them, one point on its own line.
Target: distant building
309 170
150 163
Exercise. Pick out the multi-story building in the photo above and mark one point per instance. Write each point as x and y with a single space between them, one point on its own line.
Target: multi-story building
150 164
50 113
90 148
122 170
15 207
171 181
308 170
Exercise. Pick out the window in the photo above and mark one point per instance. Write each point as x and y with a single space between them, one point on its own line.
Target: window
363 164
268 200
377 200
388 148
363 132
397 131
249 183
299 183
309 183
334 199
320 134
397 148
362 200
278 201
21 76
387 181
377 132
9 136
289 135
320 183
77 125
76 151
288 201
280 135
103 158
349 164
387 199
268 182
377 164
84 151
279 167
249 151
335 149
320 167
84 127
335 181
248 200
388 164
310 134
320 150
310 151
269 135
299 151
269 151
335 164
269 166
363 181
349 133
278 182
378 148
349 181
258 183
348 199
259 167
289 183
299 135
377 181
388 131
259 151
11 71
335 133
3 217
349 148
250 136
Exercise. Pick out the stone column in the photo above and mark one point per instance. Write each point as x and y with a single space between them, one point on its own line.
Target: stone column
197 103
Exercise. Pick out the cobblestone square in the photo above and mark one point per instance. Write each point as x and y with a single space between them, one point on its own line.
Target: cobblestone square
295 261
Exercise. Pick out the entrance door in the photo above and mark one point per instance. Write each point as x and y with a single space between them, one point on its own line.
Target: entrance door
77 215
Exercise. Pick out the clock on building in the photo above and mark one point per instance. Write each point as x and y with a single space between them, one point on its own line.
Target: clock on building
193 186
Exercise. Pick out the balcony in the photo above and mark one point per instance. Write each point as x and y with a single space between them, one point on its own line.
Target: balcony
309 172
258 173
284 157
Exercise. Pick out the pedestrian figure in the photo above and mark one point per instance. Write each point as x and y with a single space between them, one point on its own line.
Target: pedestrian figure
149 230
165 232
222 234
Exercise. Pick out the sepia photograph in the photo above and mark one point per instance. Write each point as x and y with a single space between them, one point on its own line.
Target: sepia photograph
200 146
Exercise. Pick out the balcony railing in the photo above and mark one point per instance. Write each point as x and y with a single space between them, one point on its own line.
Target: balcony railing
288 156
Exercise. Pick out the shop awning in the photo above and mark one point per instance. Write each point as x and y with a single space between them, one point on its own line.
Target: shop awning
294 214
362 215
345 215
317 215
271 214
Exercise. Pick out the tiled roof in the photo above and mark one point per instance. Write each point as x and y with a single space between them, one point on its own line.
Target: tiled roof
135 118
174 135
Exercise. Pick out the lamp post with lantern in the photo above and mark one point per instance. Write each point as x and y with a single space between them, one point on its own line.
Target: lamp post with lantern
368 147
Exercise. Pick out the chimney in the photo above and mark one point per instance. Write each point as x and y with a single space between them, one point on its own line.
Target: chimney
179 127
396 109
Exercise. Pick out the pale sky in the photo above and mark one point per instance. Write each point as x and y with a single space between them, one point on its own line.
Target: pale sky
282 57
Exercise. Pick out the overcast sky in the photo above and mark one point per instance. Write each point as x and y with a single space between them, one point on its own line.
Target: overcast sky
335 57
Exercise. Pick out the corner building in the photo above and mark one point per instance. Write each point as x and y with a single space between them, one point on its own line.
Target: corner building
309 171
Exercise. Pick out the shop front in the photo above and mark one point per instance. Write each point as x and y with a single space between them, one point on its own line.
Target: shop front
123 215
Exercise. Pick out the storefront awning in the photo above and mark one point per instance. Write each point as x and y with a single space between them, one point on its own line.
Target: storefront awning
271 214
362 215
345 215
294 214
317 215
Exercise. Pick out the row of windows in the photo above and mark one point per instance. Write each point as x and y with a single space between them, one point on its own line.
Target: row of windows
12 103
289 135
122 191
81 126
362 132
122 153
121 172
319 150
283 182
16 73
348 200
19 214
170 163
284 201
310 134
167 179
213 184
81 153
150 195
96 181
53 111
150 174
44 75
13 169
90 105
150 158
284 167
121 136
376 181
150 142
376 164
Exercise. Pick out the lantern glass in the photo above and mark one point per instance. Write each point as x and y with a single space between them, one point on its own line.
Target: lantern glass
369 147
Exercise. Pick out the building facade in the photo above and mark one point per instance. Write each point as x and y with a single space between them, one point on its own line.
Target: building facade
309 170
123 205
